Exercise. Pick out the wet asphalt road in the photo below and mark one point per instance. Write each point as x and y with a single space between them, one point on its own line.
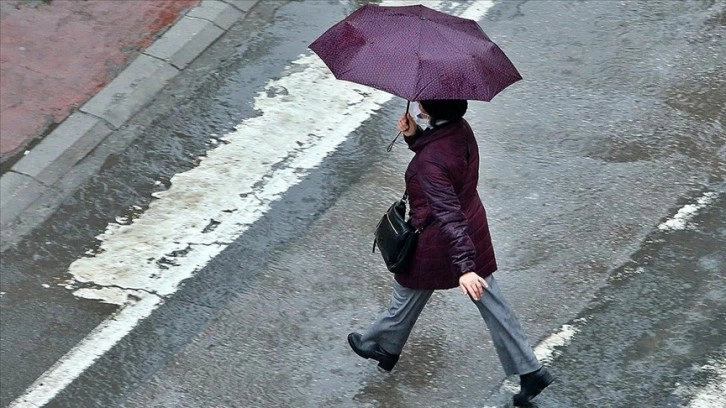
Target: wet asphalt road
617 125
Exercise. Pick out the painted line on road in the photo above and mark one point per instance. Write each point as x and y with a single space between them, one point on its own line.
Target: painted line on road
78 359
705 396
713 393
548 349
233 186
209 207
681 220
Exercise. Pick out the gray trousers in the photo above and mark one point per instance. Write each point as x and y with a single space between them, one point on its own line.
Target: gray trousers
393 327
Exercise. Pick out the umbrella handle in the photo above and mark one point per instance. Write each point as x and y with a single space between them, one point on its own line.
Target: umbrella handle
390 145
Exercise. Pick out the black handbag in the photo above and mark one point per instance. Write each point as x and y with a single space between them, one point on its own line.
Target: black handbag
395 237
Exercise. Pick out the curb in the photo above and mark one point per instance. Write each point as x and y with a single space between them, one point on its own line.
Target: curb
34 175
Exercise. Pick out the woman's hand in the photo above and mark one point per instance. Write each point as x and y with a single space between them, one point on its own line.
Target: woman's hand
473 285
407 125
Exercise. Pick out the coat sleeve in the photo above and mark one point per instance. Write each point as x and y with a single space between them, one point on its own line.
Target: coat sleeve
410 139
446 209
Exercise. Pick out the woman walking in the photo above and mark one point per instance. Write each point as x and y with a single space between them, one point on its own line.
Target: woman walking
454 248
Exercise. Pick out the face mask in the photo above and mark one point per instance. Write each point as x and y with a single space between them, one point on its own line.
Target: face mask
420 118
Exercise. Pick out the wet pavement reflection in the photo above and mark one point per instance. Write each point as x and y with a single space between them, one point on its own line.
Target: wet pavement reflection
617 124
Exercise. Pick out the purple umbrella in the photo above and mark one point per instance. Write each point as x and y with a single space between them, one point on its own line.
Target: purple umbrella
416 53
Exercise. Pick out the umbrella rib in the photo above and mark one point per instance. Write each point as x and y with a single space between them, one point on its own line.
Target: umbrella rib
454 45
431 81
418 54
423 89
451 59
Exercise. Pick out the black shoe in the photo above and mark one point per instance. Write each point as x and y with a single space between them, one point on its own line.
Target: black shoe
531 385
372 350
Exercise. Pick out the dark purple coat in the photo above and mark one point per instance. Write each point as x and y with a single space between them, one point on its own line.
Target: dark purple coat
441 180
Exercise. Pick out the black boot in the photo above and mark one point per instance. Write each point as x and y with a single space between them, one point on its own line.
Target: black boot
372 350
531 385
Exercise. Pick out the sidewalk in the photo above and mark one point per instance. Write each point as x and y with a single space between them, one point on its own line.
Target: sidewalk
74 71
55 55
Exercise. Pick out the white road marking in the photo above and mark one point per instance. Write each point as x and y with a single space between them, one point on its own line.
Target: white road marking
141 262
78 359
547 350
684 215
476 10
712 394
234 185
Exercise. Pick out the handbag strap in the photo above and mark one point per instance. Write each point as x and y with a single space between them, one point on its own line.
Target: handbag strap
404 198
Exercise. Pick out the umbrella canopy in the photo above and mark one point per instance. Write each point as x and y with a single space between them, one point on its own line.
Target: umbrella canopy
416 53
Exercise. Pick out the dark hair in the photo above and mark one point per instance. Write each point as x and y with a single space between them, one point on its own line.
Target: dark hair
445 109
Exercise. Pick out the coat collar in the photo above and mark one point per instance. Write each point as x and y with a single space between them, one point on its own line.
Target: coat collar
432 134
